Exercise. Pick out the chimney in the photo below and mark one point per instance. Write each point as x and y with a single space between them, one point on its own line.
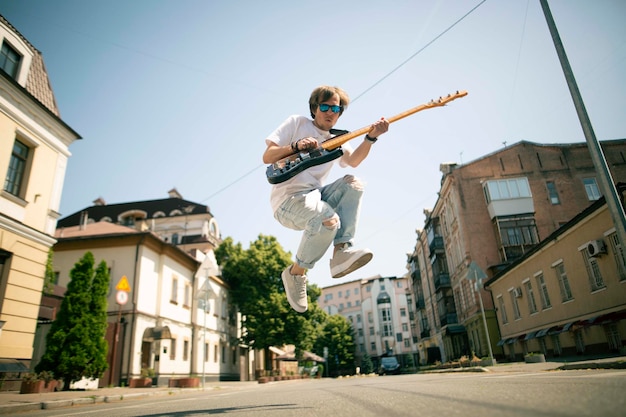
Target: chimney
84 217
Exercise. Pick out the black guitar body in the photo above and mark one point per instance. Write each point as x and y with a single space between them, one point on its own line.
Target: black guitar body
288 167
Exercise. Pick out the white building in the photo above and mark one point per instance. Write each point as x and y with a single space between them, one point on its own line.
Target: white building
163 324
379 309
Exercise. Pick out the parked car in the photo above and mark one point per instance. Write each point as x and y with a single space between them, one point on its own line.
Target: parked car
389 366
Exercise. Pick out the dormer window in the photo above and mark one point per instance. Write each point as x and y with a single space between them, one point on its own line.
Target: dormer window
131 217
9 60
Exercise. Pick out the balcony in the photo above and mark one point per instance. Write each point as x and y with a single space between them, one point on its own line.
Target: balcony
449 318
442 280
420 304
435 245
425 333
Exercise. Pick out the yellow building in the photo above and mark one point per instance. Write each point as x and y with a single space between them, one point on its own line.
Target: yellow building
567 296
34 144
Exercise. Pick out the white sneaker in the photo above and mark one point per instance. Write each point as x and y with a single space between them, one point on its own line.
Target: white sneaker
348 260
295 288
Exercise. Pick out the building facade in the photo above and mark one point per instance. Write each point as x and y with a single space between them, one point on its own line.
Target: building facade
175 317
34 151
489 213
567 296
380 312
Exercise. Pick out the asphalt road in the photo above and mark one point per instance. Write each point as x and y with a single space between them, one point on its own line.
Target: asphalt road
538 394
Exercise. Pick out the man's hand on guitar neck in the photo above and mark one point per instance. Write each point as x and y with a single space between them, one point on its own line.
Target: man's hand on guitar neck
378 128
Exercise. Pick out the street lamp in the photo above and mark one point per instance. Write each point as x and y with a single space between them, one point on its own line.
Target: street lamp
203 295
477 283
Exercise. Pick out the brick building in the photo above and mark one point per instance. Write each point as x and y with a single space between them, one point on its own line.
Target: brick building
490 212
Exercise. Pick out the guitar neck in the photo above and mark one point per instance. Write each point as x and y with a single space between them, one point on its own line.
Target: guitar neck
337 141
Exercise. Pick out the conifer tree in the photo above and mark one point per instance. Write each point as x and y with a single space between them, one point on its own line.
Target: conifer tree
75 345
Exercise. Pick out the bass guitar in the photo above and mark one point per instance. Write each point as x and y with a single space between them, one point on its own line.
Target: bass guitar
288 167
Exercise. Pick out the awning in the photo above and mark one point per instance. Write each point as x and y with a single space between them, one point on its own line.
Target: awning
12 365
542 332
455 329
511 340
612 317
156 333
312 356
530 335
555 330
567 326
277 351
501 342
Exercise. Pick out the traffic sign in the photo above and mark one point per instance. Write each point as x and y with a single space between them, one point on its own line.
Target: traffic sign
123 284
121 297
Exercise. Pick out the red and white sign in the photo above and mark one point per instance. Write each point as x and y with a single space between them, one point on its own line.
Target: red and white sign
121 297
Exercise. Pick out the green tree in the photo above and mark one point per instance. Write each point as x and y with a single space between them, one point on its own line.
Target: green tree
49 278
337 336
75 345
367 367
254 277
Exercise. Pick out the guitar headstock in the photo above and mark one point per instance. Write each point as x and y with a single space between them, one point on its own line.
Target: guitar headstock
442 101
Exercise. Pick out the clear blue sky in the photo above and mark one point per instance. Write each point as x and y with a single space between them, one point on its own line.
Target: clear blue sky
183 93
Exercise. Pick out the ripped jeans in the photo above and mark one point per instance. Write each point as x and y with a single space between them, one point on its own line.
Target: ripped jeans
336 204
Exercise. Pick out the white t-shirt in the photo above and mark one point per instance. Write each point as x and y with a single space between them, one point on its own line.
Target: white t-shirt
293 129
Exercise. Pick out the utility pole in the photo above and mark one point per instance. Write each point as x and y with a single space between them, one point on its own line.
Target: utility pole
607 186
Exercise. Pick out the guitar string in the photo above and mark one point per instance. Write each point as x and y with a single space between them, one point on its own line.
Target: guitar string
364 92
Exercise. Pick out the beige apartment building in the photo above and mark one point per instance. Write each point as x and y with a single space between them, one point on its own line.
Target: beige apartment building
490 212
175 318
34 151
380 311
567 296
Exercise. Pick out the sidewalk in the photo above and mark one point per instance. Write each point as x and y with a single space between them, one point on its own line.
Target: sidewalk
13 402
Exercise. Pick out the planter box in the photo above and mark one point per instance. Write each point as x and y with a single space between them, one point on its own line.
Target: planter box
487 362
535 358
192 382
36 387
140 383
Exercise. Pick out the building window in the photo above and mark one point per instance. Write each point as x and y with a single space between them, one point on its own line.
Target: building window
407 343
172 349
385 321
405 327
215 353
561 276
187 301
403 312
530 295
517 235
552 193
613 337
593 270
373 346
206 352
174 295
507 189
186 350
16 174
371 331
591 188
9 60
516 311
502 310
543 291
618 255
